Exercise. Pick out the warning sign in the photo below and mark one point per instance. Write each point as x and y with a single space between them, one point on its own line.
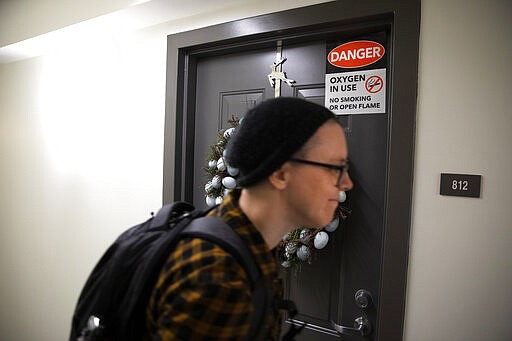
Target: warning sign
357 92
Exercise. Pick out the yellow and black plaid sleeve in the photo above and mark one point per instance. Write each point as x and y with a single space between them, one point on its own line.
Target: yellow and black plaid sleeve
202 294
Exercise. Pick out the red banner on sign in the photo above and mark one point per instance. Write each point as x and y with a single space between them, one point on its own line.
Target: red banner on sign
356 54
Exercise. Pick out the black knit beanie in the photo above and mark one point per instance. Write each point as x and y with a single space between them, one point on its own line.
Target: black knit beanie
269 135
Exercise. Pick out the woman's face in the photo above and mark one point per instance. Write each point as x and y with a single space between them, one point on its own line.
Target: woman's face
313 192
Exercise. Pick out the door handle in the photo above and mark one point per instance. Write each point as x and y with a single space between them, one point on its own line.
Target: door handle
362 327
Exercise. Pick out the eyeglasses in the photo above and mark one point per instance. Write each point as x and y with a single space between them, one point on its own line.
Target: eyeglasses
340 169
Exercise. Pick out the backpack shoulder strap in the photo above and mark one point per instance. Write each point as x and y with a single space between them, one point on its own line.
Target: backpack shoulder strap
217 231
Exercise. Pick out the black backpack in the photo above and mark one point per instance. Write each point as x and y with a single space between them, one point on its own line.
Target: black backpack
112 304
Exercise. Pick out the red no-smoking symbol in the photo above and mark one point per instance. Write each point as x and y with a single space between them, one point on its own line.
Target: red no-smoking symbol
374 84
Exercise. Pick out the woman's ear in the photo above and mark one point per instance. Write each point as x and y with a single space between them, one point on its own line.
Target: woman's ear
279 178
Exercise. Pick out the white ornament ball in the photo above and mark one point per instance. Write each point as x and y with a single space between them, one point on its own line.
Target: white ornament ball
229 182
212 163
233 171
216 181
342 196
224 153
218 200
321 240
210 201
221 165
333 225
225 192
229 132
303 253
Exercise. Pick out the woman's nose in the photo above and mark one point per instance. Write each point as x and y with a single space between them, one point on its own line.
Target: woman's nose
346 183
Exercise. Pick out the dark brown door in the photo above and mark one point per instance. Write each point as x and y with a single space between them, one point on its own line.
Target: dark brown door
221 70
324 290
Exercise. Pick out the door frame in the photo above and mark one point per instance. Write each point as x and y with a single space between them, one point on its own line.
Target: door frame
402 18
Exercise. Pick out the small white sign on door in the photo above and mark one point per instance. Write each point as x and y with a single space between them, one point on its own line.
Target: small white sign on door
356 92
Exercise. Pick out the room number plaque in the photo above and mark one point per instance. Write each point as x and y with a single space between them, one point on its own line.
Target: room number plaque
460 185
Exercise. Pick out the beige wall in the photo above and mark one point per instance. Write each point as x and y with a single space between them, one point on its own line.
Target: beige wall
460 267
81 144
81 159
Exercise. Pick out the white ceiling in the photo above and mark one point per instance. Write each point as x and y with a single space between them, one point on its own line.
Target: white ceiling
27 27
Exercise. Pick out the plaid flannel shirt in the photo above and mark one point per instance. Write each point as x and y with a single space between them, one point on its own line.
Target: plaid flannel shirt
203 293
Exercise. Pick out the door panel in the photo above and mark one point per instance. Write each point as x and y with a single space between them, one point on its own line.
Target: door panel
235 103
324 290
226 86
